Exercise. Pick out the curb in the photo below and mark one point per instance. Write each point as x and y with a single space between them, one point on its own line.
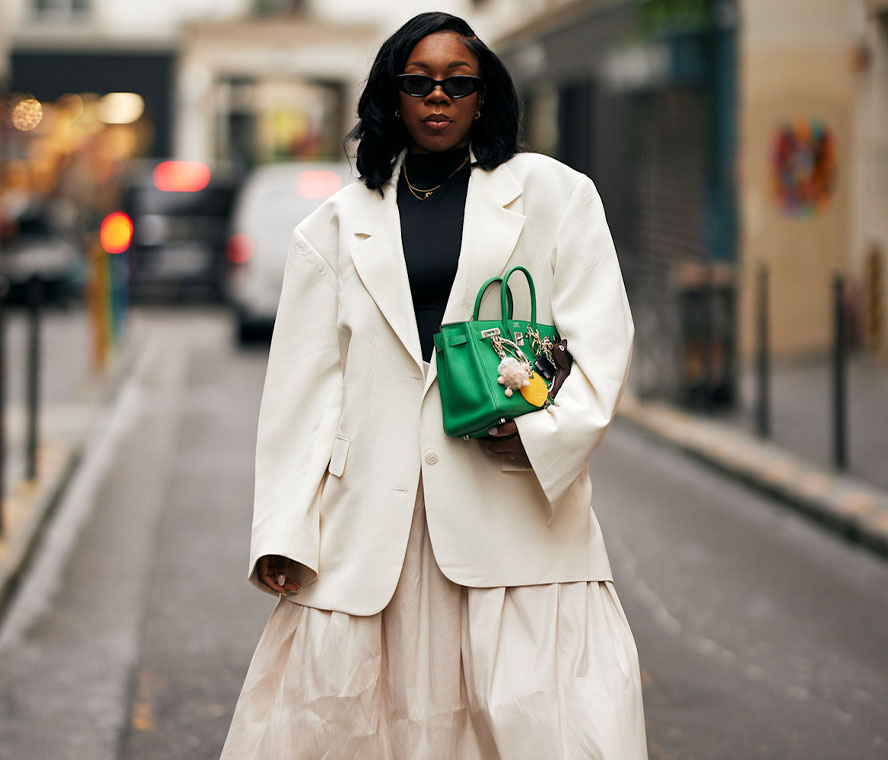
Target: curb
30 504
28 509
856 510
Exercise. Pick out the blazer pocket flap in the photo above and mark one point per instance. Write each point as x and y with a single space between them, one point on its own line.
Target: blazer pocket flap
340 454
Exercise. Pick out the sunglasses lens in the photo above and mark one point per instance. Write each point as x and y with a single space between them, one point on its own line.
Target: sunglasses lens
417 85
459 87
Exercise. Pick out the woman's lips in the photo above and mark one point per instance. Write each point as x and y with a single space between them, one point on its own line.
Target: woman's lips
437 124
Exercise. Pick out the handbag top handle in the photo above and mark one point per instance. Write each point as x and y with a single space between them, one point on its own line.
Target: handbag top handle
481 293
504 289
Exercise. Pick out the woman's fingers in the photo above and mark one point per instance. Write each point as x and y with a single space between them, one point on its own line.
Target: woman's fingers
291 585
275 571
504 429
505 441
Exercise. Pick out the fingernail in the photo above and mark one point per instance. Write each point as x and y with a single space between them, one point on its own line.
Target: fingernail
493 431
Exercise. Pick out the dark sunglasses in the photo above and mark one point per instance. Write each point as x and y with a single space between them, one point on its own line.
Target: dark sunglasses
419 85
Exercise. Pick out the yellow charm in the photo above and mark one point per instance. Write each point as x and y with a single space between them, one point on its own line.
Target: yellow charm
536 393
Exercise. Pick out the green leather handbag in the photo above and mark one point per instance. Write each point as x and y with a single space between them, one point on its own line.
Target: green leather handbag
490 371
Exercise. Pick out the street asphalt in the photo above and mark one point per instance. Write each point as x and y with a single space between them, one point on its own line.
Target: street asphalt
760 633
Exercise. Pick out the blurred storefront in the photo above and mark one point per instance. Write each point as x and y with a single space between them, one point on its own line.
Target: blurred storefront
640 96
48 75
91 87
261 90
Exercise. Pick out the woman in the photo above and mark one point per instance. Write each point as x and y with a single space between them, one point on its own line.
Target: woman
440 598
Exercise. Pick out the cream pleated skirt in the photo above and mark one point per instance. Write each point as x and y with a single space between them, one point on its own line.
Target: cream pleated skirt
446 672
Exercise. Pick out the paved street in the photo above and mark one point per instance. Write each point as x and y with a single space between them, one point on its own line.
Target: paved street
760 635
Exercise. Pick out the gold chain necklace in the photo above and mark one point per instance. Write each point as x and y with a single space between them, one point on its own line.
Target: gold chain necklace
420 194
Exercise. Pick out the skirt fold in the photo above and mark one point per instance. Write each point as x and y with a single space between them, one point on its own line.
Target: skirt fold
446 672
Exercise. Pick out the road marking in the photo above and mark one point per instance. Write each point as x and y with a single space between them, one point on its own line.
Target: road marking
142 713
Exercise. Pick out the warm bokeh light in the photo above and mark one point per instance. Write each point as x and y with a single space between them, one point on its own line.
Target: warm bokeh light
27 114
71 105
239 249
181 176
318 183
121 107
116 232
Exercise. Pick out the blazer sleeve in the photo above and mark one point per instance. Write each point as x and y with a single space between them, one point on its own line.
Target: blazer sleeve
590 309
299 414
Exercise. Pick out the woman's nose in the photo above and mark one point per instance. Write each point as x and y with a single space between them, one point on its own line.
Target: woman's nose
437 95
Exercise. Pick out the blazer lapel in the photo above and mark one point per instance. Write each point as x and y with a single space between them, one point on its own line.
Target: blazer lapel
490 233
378 256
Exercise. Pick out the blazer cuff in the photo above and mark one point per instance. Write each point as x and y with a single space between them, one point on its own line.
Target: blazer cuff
306 572
555 465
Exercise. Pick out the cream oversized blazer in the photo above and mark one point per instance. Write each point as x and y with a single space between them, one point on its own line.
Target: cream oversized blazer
348 423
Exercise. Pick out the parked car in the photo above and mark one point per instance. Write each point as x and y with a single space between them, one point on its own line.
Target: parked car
180 213
272 201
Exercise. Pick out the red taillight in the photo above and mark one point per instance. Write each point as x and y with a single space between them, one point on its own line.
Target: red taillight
181 176
318 183
116 232
239 249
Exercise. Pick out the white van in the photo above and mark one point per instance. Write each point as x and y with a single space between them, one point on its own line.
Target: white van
271 202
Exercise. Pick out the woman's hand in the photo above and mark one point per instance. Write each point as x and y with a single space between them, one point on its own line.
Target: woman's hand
273 569
504 440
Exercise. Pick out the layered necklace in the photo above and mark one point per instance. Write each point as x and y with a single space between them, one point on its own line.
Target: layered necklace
421 194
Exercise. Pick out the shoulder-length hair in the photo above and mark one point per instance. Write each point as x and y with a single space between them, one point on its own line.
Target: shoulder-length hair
381 135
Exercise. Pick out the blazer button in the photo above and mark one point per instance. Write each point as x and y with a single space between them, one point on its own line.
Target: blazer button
431 457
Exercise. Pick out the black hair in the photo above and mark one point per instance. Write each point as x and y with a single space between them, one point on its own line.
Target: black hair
381 135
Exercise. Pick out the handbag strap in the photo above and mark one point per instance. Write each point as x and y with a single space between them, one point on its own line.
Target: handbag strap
504 290
503 299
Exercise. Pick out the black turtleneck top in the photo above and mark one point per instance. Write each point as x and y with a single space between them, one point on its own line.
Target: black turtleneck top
431 234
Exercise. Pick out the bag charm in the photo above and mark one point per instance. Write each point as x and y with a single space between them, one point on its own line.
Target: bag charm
562 360
512 374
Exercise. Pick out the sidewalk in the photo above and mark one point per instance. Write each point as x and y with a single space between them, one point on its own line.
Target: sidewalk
795 464
71 397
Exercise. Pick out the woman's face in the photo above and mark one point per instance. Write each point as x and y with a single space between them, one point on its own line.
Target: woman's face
437 122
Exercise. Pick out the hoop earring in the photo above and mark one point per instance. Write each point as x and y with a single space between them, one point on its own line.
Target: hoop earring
397 113
477 115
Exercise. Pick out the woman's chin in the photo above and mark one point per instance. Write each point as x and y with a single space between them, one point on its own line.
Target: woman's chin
437 143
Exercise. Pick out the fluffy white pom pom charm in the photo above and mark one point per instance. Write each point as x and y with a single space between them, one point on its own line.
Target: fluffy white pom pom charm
512 374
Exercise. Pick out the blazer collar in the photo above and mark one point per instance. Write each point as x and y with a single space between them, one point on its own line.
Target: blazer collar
490 232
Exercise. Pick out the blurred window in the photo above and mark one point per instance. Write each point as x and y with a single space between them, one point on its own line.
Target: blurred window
273 7
60 9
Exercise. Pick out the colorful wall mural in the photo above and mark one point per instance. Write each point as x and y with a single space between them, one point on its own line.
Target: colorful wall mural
804 169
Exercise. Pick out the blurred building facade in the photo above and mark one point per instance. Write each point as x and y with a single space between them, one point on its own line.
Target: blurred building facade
96 84
248 81
92 86
813 167
641 96
284 80
723 135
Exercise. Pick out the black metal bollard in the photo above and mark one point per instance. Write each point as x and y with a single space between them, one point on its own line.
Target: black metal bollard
3 288
763 391
35 304
840 415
